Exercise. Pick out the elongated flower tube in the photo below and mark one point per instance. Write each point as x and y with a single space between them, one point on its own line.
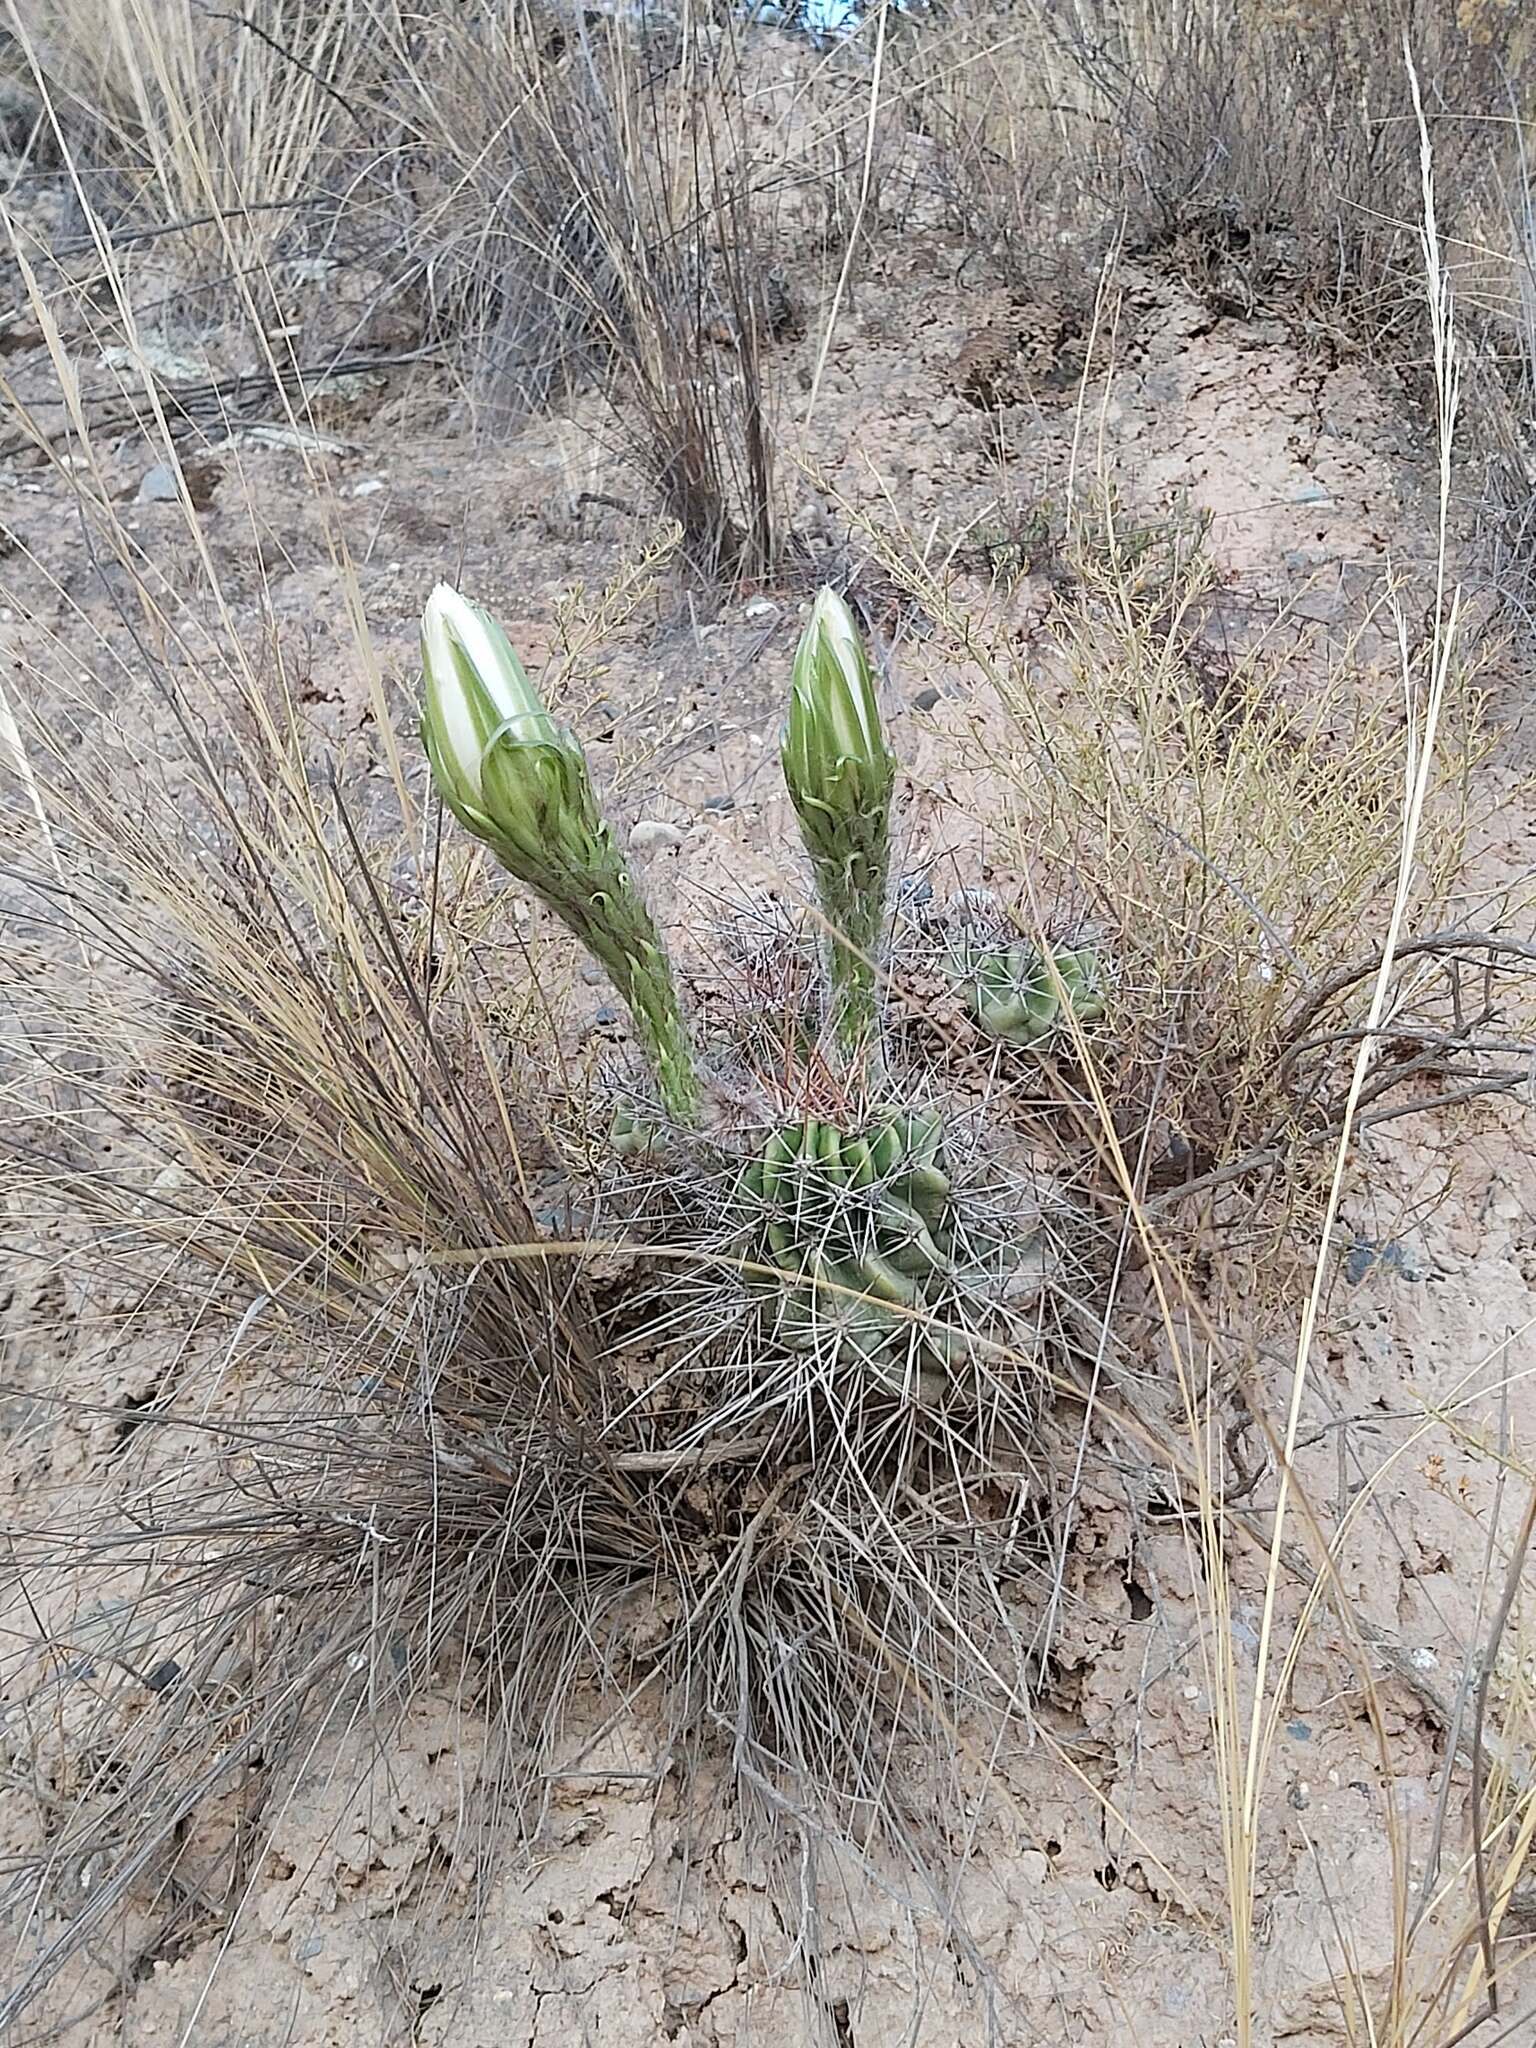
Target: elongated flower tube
840 774
519 781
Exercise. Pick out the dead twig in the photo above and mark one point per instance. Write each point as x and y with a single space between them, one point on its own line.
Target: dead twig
216 400
1449 943
1511 1592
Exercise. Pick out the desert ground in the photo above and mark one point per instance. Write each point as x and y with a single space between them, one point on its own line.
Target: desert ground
1172 443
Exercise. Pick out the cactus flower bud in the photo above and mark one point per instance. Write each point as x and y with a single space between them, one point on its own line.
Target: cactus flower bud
841 775
520 782
476 691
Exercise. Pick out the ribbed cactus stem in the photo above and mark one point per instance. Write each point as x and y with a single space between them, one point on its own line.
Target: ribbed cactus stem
596 898
854 907
643 976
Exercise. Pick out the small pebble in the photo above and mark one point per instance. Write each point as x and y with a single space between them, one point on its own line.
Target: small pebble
926 699
721 804
653 835
158 486
1322 607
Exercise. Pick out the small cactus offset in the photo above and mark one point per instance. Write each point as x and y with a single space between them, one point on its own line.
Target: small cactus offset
1013 992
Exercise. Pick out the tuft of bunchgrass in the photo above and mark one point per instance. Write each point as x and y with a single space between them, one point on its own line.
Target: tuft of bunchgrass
194 126
448 1412
590 216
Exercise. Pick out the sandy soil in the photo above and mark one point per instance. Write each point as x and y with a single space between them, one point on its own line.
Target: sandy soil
639 1917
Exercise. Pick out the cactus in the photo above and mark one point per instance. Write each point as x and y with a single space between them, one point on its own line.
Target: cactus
860 1254
865 1230
1012 992
840 774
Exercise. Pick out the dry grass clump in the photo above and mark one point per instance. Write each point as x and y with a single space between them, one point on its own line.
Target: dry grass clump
1007 145
1505 385
549 211
1273 150
436 1414
177 120
584 212
1225 836
1267 152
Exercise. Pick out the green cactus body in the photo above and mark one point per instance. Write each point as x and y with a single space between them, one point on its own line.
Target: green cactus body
1012 993
861 1227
